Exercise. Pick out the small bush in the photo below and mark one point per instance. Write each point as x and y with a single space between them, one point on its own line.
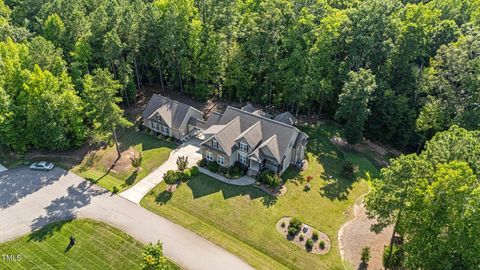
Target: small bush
295 223
187 174
213 166
222 170
115 189
315 235
322 245
283 224
309 243
301 237
292 231
270 178
170 177
396 258
194 170
365 256
202 163
137 161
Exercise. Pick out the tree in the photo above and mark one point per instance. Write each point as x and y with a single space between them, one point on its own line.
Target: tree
105 116
153 258
353 103
429 194
182 163
54 30
365 255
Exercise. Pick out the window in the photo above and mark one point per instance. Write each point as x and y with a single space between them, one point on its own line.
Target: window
214 143
164 129
243 147
221 160
242 158
154 126
209 156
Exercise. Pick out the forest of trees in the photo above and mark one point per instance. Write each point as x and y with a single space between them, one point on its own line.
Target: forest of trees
396 71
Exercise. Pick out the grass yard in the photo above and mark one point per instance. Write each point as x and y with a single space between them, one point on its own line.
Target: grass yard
97 167
242 219
98 246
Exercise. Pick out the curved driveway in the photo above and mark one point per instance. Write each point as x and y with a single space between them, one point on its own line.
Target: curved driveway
30 200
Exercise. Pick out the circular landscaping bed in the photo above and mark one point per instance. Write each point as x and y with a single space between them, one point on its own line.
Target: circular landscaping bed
303 235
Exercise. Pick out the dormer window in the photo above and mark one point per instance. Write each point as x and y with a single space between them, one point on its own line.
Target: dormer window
243 147
215 143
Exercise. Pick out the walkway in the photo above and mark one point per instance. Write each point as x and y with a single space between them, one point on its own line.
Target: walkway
242 181
30 200
190 148
2 168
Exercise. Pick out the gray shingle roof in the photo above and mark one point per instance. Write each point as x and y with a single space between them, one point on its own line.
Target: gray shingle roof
283 132
286 117
171 111
225 135
249 108
253 135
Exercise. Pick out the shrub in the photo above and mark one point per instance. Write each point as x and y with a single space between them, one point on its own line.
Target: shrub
181 176
187 174
321 245
202 163
213 166
170 177
292 231
182 163
301 237
270 178
115 189
309 178
137 161
283 224
365 256
222 170
194 170
309 243
315 235
295 223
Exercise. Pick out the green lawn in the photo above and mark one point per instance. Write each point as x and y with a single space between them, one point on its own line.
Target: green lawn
242 219
99 246
154 152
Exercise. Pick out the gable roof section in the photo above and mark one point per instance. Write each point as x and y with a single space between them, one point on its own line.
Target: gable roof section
253 134
248 108
171 111
285 117
269 128
226 134
269 148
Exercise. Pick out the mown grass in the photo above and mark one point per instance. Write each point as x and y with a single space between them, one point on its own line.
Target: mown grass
98 246
242 219
154 153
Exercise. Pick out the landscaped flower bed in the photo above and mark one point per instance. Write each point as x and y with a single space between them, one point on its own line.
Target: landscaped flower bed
303 235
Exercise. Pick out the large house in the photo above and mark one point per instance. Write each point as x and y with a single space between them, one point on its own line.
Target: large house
247 136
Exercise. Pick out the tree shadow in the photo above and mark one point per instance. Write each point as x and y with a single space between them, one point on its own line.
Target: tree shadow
269 200
336 188
64 208
163 197
18 183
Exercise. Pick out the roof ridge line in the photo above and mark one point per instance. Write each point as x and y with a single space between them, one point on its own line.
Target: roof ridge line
247 130
263 117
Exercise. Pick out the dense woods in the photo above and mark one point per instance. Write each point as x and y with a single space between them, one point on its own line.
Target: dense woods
394 71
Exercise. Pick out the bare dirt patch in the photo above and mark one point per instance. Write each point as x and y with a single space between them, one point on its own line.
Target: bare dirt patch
356 234
123 165
307 232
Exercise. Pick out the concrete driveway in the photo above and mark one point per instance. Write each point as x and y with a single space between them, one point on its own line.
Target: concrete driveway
30 199
190 148
2 168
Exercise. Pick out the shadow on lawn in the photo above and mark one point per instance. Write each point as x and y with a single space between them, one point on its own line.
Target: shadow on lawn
332 158
130 137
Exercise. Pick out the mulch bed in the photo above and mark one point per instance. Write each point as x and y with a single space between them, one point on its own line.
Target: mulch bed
307 232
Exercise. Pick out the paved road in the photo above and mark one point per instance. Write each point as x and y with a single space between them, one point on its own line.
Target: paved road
189 148
30 200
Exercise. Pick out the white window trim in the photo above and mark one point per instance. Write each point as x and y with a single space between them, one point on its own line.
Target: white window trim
222 159
164 131
241 155
215 143
243 149
209 156
154 126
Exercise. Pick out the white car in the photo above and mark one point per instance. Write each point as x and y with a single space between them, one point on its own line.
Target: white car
42 166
